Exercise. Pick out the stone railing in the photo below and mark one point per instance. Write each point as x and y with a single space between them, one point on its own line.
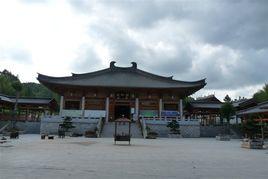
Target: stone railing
10 117
87 113
50 124
165 120
57 119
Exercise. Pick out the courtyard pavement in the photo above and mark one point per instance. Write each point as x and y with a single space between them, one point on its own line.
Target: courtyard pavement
30 157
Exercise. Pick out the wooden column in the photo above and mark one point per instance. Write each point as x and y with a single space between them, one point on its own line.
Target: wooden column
107 109
160 107
136 109
26 117
181 109
83 107
61 104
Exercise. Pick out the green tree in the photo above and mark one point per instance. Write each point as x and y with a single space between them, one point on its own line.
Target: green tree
187 104
227 111
262 95
174 127
67 124
6 80
28 89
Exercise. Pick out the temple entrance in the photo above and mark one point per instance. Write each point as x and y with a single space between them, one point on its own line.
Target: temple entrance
120 110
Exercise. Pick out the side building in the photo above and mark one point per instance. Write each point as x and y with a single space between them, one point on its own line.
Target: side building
29 109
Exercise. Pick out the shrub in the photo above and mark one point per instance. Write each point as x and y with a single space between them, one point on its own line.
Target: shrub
67 124
174 127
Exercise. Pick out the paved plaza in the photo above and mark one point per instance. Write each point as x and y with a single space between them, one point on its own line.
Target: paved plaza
30 157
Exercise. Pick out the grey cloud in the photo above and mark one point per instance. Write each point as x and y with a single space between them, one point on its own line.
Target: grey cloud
236 24
82 6
163 63
239 24
223 71
16 54
239 28
86 61
120 44
34 1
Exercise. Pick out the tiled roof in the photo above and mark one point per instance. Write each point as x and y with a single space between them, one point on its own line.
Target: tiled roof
12 99
208 99
208 102
129 77
260 108
206 105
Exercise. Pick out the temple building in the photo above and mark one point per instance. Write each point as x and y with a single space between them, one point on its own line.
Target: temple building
121 91
206 109
29 109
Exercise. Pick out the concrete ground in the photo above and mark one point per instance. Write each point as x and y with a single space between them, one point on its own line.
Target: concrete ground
30 157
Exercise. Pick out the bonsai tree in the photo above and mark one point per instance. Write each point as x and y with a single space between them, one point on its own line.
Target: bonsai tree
174 127
250 128
67 124
227 111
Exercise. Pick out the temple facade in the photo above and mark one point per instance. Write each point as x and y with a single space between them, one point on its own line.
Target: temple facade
120 91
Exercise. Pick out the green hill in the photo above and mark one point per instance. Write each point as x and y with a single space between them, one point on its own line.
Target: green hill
28 89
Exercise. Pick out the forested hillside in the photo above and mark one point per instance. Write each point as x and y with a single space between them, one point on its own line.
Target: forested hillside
28 89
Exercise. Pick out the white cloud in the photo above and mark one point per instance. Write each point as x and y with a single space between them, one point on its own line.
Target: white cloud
189 40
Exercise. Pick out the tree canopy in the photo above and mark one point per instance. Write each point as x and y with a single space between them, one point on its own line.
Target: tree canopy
227 109
262 95
17 86
9 84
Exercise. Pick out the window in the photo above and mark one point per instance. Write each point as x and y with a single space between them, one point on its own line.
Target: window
75 105
171 107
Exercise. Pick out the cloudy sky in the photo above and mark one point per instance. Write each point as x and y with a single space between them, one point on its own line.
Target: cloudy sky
223 41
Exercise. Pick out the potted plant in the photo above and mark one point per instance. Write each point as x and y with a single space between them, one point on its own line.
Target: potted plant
14 133
66 126
151 134
174 127
251 140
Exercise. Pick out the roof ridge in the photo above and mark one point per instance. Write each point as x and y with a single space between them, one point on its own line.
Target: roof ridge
133 68
143 79
24 97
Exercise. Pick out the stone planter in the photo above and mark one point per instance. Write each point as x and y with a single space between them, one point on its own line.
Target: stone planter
69 134
14 135
91 134
152 135
223 137
252 143
174 135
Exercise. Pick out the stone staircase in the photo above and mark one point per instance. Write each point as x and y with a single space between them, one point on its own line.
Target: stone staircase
4 125
108 130
235 132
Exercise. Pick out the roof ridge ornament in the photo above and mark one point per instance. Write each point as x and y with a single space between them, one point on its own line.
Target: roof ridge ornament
134 65
112 64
